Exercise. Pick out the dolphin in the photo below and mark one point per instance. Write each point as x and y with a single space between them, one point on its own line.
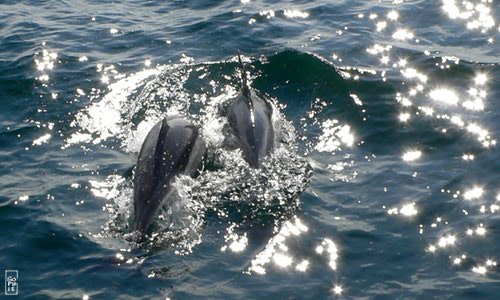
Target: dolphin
250 119
173 146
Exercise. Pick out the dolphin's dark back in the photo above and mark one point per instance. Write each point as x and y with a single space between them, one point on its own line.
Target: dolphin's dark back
173 146
250 118
252 126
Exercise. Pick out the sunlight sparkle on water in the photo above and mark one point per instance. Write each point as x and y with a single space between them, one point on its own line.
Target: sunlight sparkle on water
119 256
413 73
276 246
41 140
333 136
282 260
444 95
381 25
474 193
480 79
478 13
346 136
402 62
457 121
45 63
491 263
295 14
403 34
393 15
105 79
446 241
403 100
480 231
412 155
107 189
476 104
237 243
482 269
406 210
267 13
478 97
482 135
377 49
409 210
403 117
428 111
331 250
337 290
302 266
468 157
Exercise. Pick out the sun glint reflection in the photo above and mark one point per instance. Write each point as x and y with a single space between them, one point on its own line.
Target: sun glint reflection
474 193
403 117
330 248
44 62
302 266
479 269
282 260
393 15
337 290
482 269
403 34
412 155
333 136
407 210
444 95
277 250
446 241
478 14
295 14
480 231
234 241
480 79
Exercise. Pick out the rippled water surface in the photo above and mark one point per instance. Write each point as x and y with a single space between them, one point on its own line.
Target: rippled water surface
384 182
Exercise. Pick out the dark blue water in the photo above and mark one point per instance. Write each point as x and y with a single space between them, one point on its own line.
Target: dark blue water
385 184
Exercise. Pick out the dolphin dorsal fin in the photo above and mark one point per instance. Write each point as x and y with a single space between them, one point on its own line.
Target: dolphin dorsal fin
244 81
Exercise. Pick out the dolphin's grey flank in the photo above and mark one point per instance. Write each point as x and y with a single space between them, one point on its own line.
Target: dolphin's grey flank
173 146
250 119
